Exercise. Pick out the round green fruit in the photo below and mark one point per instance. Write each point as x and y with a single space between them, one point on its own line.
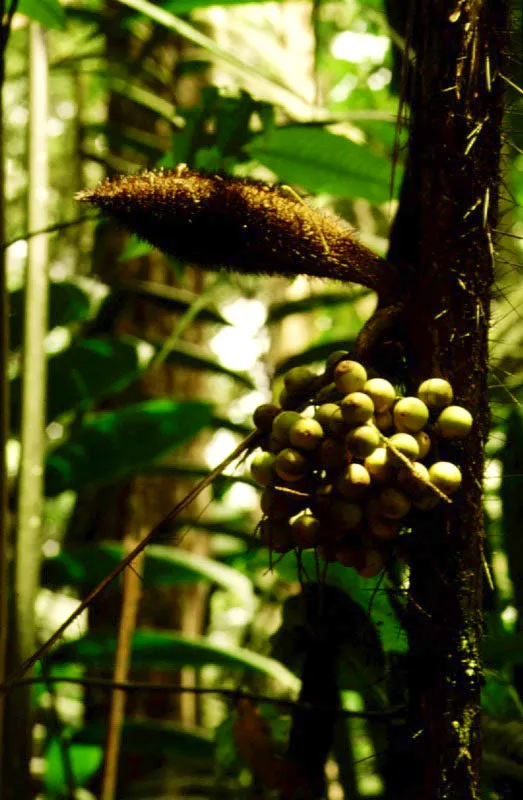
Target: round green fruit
353 481
298 380
290 465
406 445
282 425
306 434
333 360
330 418
383 421
279 505
265 415
424 443
454 422
436 393
363 440
356 408
394 504
378 465
306 531
382 392
276 535
413 479
288 401
262 468
332 455
345 515
350 376
446 476
410 415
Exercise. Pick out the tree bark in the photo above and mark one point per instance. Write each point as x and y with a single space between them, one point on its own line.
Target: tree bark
442 243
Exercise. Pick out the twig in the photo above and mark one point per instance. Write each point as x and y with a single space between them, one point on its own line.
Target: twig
232 694
410 465
127 625
57 226
160 529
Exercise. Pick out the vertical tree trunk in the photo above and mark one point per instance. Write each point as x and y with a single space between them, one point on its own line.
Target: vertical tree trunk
442 239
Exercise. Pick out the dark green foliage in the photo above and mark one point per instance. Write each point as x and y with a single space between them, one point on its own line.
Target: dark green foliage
110 446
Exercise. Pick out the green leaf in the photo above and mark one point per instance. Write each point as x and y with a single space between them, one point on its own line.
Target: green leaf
48 13
512 499
170 298
499 697
276 91
186 6
196 472
110 446
186 354
321 161
369 593
68 303
315 302
135 248
146 736
86 371
361 660
503 650
85 760
170 651
86 566
316 352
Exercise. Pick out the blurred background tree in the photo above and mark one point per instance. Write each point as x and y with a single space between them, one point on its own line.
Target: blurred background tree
148 374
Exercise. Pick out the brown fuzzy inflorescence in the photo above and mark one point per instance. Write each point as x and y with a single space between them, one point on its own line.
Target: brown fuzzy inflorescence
238 224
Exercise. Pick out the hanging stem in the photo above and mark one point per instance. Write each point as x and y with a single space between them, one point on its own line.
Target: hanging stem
28 545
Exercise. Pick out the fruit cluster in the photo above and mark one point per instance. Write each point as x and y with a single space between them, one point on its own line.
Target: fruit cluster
344 474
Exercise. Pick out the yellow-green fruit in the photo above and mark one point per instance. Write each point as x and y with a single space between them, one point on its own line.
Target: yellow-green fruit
306 531
410 414
436 393
446 476
276 535
350 376
383 421
265 415
356 408
353 481
382 528
413 480
424 443
262 468
290 465
454 422
405 444
279 505
330 418
282 425
427 501
327 394
332 455
382 393
394 504
378 465
306 434
288 401
298 379
333 360
363 440
345 515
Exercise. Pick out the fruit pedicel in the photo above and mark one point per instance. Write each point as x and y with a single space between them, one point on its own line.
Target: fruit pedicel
343 475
